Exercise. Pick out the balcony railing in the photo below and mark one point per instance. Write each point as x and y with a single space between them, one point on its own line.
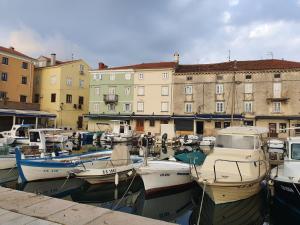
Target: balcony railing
110 98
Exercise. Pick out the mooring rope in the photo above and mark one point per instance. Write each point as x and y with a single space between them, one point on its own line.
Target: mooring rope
201 204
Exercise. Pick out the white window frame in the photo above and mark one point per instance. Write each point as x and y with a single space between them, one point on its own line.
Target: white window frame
111 107
127 90
81 67
125 107
97 91
165 75
188 89
141 90
188 107
141 76
277 88
220 107
69 81
112 76
127 76
248 106
111 90
219 89
164 90
140 107
96 107
276 107
81 83
248 88
164 107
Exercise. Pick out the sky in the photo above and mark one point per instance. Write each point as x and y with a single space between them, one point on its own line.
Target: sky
123 32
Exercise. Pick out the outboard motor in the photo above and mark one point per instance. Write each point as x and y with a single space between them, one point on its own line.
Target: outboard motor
164 139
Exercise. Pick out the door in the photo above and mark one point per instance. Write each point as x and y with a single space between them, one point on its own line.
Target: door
199 127
277 90
272 130
140 125
79 122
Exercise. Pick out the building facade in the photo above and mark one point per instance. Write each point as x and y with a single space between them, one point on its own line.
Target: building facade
209 97
141 94
62 88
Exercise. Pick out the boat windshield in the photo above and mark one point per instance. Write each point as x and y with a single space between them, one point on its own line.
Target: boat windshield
237 141
295 149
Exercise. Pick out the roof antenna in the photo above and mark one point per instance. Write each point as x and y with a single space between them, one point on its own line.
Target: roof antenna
271 54
72 56
229 55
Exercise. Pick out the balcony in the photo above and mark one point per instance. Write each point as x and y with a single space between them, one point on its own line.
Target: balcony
248 96
4 104
280 98
110 98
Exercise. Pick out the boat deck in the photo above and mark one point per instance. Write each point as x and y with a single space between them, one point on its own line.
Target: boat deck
17 207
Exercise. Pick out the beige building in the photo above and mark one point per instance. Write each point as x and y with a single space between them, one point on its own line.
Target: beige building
208 97
63 89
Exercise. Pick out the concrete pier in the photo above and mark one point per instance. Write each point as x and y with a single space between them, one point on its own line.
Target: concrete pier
17 207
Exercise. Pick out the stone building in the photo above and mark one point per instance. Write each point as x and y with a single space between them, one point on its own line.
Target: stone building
208 97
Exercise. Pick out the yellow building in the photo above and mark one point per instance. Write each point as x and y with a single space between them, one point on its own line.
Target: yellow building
63 89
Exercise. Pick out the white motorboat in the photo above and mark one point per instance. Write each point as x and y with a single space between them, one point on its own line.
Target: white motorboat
159 175
19 132
6 140
120 167
286 177
208 141
189 139
275 144
121 132
235 168
54 135
7 161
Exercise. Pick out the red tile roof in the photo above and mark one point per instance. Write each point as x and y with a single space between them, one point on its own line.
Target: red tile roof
267 64
13 52
155 65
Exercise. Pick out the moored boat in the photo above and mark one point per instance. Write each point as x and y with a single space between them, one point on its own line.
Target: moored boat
235 168
121 132
19 132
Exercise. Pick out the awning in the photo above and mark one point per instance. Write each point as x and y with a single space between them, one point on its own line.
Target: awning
26 113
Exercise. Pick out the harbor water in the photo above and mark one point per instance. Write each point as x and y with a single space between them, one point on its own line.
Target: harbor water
181 206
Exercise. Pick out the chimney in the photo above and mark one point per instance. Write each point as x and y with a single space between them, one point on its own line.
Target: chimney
12 48
53 59
176 57
102 66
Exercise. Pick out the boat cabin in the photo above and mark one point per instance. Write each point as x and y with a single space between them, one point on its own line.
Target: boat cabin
121 127
292 158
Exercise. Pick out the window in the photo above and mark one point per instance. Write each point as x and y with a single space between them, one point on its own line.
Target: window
164 90
53 79
277 75
3 94
80 100
23 98
188 89
248 107
4 76
295 149
68 98
53 97
24 80
96 107
140 106
277 90
188 108
97 91
69 81
165 76
218 124
189 78
219 88
141 90
276 107
141 76
24 65
237 141
127 76
127 107
219 107
282 127
81 68
36 98
226 124
127 91
111 90
111 107
112 76
5 60
248 77
152 123
81 83
97 76
165 106
248 88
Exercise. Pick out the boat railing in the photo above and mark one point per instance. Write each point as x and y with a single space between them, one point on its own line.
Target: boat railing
237 162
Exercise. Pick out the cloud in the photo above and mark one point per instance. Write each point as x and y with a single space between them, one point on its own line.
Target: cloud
233 2
226 17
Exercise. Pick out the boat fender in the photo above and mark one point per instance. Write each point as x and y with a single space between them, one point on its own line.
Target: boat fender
116 179
53 154
270 182
42 155
129 173
263 183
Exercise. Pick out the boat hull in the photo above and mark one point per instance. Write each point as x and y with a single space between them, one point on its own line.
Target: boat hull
286 192
7 162
230 192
